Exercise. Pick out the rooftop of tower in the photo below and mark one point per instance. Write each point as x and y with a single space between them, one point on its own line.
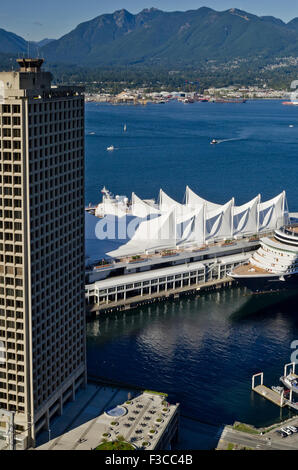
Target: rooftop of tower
30 64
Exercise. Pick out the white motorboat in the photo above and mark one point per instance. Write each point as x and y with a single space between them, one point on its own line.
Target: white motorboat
291 382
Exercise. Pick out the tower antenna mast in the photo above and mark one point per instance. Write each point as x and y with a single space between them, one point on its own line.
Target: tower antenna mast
28 46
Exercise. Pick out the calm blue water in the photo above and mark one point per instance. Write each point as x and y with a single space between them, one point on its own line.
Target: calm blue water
202 351
168 146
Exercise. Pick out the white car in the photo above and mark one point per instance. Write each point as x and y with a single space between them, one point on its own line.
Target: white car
293 428
287 431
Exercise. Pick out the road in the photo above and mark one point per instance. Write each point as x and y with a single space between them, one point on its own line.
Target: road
270 441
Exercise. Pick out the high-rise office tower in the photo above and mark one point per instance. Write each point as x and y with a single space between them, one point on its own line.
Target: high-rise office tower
42 313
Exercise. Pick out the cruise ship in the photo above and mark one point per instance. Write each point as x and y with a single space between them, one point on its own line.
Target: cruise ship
274 266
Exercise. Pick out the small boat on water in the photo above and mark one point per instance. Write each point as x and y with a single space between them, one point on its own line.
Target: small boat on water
290 103
277 389
124 128
291 382
213 142
111 148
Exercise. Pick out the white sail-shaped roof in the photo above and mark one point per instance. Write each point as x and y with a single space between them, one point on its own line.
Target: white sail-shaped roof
272 213
166 204
194 201
194 227
140 208
152 234
157 230
219 222
148 227
245 217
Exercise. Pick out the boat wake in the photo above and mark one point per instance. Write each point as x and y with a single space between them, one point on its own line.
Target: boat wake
140 147
221 141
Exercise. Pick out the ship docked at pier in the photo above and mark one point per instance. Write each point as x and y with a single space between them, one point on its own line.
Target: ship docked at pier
274 266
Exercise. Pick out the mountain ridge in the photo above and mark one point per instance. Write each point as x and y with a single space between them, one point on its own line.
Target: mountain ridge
173 38
156 37
11 43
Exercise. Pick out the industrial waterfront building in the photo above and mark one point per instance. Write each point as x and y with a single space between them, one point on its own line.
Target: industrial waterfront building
121 285
42 307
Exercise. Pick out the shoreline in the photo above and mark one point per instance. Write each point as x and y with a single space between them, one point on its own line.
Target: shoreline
242 436
148 102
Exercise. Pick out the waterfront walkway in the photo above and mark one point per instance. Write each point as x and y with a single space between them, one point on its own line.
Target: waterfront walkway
134 302
270 395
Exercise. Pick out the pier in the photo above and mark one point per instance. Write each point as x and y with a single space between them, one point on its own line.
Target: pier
140 288
277 396
268 393
146 299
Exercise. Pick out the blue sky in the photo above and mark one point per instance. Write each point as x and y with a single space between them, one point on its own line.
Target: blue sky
36 19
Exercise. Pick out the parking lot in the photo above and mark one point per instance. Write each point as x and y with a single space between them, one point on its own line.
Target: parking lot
269 439
286 433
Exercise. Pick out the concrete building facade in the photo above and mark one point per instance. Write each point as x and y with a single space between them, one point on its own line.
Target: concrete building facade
134 288
42 313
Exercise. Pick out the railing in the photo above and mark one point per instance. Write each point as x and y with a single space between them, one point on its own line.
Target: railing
289 230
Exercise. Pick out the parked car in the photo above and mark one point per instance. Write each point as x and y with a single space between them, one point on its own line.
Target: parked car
292 428
281 433
287 431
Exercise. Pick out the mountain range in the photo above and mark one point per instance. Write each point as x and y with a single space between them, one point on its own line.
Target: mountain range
11 43
169 39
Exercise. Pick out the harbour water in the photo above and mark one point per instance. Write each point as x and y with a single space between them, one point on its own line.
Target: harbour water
168 146
201 351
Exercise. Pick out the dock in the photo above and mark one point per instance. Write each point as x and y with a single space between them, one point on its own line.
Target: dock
270 395
144 285
123 305
274 396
